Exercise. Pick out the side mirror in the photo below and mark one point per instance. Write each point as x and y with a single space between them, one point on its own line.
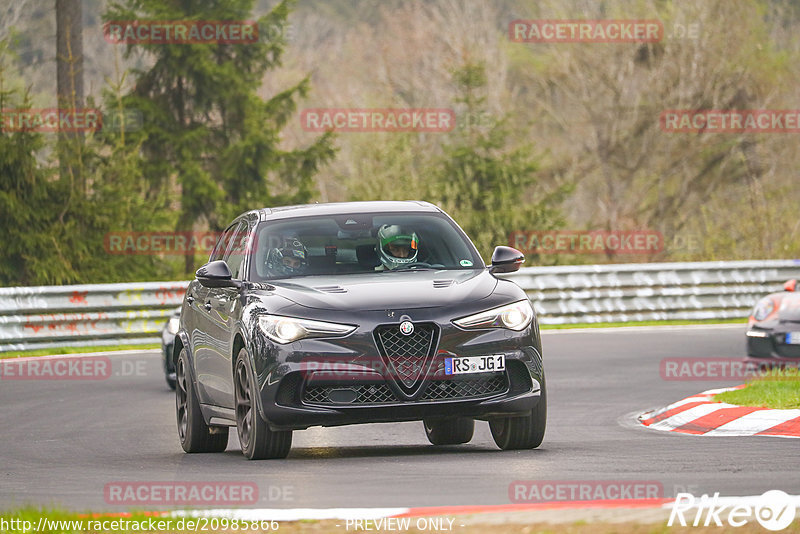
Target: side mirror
215 274
790 285
506 260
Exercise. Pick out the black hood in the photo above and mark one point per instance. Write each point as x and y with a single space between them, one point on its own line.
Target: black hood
384 290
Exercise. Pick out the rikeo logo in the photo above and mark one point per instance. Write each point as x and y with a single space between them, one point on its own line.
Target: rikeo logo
774 510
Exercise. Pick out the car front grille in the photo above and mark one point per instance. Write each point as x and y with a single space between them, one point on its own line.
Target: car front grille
407 356
462 388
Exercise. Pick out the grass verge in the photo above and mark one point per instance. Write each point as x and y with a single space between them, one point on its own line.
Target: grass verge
56 521
76 350
774 389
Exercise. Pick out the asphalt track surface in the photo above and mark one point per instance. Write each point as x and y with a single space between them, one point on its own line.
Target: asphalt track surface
63 441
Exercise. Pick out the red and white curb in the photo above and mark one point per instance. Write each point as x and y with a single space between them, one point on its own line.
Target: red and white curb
700 415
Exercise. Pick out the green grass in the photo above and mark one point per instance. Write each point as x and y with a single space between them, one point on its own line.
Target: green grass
644 323
774 389
88 524
76 350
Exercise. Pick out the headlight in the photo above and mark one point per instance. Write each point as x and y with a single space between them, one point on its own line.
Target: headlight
287 329
516 316
174 325
763 309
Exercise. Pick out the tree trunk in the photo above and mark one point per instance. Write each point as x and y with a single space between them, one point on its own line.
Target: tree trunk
69 79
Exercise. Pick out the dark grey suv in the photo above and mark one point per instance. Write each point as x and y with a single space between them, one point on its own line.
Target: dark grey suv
334 314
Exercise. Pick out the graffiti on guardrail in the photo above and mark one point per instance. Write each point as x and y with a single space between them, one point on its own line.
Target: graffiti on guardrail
67 322
170 294
79 297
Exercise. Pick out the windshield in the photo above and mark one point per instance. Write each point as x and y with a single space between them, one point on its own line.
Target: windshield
360 243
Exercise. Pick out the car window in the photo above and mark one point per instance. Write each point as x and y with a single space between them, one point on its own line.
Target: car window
218 252
237 248
332 245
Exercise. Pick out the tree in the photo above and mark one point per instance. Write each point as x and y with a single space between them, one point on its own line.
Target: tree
204 125
486 181
55 228
606 100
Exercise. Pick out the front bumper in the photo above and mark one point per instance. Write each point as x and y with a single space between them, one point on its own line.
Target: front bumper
771 343
296 418
332 382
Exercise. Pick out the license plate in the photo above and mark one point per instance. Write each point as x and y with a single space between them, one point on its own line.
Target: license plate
474 364
793 338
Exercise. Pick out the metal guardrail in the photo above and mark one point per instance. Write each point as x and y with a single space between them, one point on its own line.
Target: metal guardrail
84 315
651 291
54 316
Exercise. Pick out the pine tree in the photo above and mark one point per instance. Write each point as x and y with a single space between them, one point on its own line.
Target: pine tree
486 179
204 125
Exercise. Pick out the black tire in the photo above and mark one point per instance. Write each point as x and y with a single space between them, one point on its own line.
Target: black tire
169 375
193 432
257 440
449 431
527 432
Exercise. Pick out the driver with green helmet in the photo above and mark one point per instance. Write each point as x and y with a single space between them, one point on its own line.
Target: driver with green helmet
396 247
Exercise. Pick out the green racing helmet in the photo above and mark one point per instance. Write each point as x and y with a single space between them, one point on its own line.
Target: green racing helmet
396 246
